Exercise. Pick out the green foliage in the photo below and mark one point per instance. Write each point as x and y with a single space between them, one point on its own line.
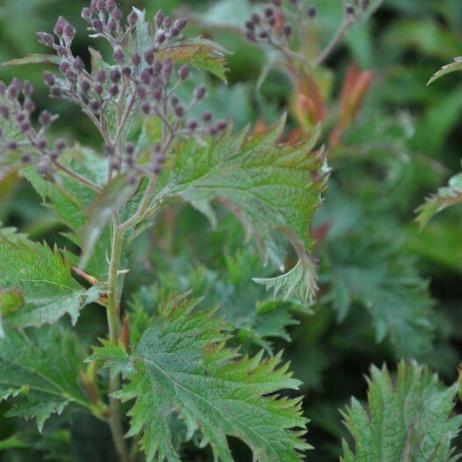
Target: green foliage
40 369
268 186
43 276
376 275
181 369
407 418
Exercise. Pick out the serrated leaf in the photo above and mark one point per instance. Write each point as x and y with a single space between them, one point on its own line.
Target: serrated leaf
39 370
447 69
44 278
444 198
408 419
376 274
270 187
182 370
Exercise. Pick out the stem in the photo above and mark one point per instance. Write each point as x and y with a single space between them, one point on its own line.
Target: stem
85 181
113 317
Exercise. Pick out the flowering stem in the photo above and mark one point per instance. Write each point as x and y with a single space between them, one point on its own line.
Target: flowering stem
113 317
81 179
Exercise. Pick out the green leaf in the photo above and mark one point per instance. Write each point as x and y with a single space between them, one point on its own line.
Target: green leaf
182 370
444 198
408 419
270 187
10 301
200 53
447 69
376 274
40 370
43 277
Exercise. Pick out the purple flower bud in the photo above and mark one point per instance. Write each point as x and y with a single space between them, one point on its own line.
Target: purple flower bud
84 86
126 71
24 127
179 111
12 92
159 18
269 12
168 22
312 12
350 10
71 75
115 164
49 78
64 66
101 5
174 31
54 156
69 31
287 30
160 37
146 108
207 116
27 88
145 76
113 25
86 14
250 25
192 125
201 92
41 144
141 92
272 21
98 25
101 76
45 39
113 90
115 75
12 146
45 118
251 36
110 4
116 13
149 56
130 149
21 117
26 158
213 131
174 100
59 26
78 64
132 19
167 68
62 51
255 18
263 35
183 72
29 105
119 55
222 125
43 167
56 91
136 59
95 106
181 23
99 89
60 145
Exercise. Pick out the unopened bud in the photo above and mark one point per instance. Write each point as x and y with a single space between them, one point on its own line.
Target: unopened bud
183 72
45 39
159 18
116 13
201 92
132 18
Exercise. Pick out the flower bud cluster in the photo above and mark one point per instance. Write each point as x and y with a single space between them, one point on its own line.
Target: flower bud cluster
139 81
26 139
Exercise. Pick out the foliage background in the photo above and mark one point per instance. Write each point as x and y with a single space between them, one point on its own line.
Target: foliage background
403 145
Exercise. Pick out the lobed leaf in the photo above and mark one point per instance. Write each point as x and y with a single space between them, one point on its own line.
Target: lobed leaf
182 370
407 419
39 370
270 187
42 278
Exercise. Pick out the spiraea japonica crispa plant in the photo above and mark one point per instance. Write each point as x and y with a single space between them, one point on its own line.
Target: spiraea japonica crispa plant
169 361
